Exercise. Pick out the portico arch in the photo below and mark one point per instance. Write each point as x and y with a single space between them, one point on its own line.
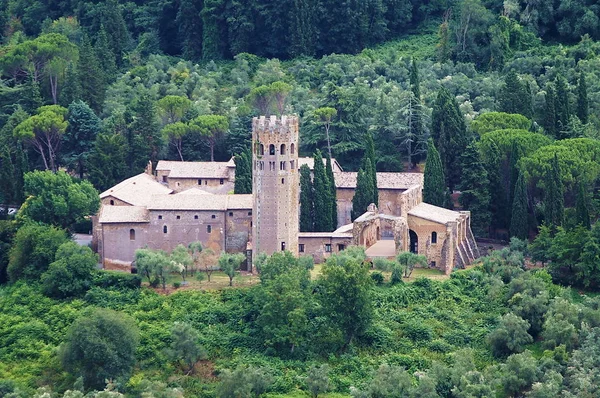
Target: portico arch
414 242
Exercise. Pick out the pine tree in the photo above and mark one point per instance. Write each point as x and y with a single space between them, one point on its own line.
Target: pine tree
90 76
363 193
106 164
32 98
72 88
370 157
322 198
519 226
582 212
554 196
307 216
79 138
416 121
146 140
582 99
332 191
562 106
434 185
549 120
474 186
449 133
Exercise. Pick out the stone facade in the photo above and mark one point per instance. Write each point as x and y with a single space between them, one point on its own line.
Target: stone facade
275 184
188 201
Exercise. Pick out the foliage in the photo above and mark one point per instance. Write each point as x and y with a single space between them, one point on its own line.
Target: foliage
510 336
243 173
493 121
71 273
322 195
519 226
184 346
307 193
58 199
100 346
33 249
230 264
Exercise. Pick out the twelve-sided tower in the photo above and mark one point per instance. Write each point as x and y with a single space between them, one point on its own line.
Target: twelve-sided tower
275 184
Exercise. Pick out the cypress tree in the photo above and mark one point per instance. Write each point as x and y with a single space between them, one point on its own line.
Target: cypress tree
72 89
80 136
189 21
322 198
243 173
416 121
90 76
549 121
116 30
582 211
307 216
332 191
554 196
363 194
474 186
498 203
563 109
514 96
449 133
370 157
519 226
582 99
146 140
434 186
105 56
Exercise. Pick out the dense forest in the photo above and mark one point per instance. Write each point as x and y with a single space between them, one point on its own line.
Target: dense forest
498 104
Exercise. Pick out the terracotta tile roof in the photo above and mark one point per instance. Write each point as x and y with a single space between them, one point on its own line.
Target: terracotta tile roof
195 169
310 162
123 214
194 191
434 213
347 179
137 190
182 201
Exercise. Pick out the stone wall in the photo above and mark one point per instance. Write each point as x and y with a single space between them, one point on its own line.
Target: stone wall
316 246
394 202
112 201
433 251
212 185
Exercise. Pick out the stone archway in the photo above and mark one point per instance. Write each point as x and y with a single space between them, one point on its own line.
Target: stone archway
414 242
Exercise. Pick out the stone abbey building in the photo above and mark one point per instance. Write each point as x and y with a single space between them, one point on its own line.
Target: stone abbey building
193 201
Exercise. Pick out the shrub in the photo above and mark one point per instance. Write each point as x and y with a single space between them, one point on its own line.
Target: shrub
510 336
176 285
117 280
377 278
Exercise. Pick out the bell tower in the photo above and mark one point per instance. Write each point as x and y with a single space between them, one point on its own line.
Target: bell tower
275 184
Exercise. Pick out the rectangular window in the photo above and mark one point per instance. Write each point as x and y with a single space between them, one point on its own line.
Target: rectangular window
249 213
230 214
164 178
199 181
160 217
341 247
282 246
327 247
179 217
213 216
208 229
301 248
196 217
221 181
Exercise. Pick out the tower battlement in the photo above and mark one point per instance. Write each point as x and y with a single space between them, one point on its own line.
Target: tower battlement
273 124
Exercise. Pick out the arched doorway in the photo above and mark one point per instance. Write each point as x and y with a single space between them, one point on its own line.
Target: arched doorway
414 242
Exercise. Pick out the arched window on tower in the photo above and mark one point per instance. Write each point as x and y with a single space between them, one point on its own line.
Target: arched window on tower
434 237
261 150
282 149
271 149
132 234
292 148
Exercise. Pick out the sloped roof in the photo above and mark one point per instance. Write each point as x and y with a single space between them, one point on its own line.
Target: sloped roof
136 190
195 169
182 202
324 235
310 162
347 179
434 213
123 214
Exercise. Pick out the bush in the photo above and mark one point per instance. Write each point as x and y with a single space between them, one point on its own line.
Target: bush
383 264
397 273
117 280
176 285
377 278
71 274
82 226
510 336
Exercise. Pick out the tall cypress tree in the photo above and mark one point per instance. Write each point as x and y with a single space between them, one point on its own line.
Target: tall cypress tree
514 96
554 195
90 76
322 198
72 88
449 133
106 57
80 136
332 191
307 216
519 226
370 157
434 185
363 193
474 186
582 212
562 106
146 140
243 173
498 197
116 30
189 21
582 99
416 121
549 121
